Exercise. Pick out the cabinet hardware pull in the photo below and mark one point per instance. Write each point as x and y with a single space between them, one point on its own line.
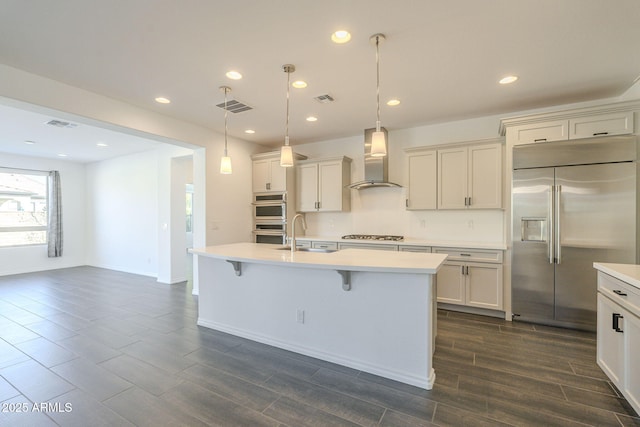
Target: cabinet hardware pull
466 270
540 140
465 254
268 186
462 270
469 200
617 292
600 133
616 322
406 203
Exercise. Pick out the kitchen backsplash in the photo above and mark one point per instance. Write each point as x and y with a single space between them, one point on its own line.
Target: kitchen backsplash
382 211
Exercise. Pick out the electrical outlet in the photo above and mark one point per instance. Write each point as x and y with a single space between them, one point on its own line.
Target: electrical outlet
300 316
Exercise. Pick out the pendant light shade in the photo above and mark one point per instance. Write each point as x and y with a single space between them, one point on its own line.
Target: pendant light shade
225 161
286 154
378 142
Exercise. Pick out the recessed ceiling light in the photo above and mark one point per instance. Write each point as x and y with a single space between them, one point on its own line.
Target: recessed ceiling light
508 79
163 100
393 102
312 119
102 144
341 36
28 142
250 131
233 75
299 84
62 155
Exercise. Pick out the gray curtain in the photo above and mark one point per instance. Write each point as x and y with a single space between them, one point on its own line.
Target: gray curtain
54 219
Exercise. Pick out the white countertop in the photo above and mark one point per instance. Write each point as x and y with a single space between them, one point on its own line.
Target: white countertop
411 242
346 259
628 273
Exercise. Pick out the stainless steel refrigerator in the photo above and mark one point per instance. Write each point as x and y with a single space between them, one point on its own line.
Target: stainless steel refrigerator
574 202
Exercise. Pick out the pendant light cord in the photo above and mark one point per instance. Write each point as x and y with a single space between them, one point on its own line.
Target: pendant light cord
286 133
378 82
225 121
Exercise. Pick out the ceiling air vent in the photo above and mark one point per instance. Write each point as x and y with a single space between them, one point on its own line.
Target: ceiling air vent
234 106
61 124
324 99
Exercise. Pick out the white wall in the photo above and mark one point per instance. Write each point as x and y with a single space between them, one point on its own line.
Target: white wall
228 203
15 260
122 213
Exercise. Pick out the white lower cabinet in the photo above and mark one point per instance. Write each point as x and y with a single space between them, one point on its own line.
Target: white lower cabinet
471 278
610 341
618 335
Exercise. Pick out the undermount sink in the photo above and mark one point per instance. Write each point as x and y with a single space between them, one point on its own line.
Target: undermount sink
319 250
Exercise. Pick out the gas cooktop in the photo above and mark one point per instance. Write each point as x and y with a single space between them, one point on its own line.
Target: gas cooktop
373 237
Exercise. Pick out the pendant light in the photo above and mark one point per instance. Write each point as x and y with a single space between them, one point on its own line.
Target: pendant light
286 154
378 143
225 161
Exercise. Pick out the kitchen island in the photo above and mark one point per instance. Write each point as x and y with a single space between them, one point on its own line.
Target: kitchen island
368 310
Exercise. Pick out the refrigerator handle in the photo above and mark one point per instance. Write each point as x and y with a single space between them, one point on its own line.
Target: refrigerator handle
557 221
551 228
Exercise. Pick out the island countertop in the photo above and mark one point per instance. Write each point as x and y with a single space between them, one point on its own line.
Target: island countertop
346 259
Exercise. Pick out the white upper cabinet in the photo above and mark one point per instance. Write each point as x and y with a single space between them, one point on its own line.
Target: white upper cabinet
422 180
470 177
601 125
485 176
587 122
557 130
268 175
452 178
322 186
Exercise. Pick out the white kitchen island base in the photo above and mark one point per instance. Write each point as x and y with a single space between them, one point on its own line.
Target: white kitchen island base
384 325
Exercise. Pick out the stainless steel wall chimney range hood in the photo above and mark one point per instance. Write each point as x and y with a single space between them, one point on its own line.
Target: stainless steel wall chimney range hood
376 169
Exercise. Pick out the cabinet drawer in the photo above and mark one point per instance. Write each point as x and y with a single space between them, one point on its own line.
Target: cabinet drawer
303 243
411 248
325 245
477 255
376 247
620 292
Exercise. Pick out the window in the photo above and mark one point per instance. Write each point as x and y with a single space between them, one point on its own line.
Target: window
23 208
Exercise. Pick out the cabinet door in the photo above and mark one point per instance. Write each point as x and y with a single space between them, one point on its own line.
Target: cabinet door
601 125
260 176
330 186
557 130
485 176
452 178
422 181
484 285
610 342
450 283
277 176
307 187
632 367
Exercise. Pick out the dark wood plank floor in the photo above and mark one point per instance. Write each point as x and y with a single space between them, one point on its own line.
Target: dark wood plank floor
93 347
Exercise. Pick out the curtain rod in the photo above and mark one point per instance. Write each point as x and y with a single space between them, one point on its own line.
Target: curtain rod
23 169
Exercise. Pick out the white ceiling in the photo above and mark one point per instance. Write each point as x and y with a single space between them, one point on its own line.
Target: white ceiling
442 59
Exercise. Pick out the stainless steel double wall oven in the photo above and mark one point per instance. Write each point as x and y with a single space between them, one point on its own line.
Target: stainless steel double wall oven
270 218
